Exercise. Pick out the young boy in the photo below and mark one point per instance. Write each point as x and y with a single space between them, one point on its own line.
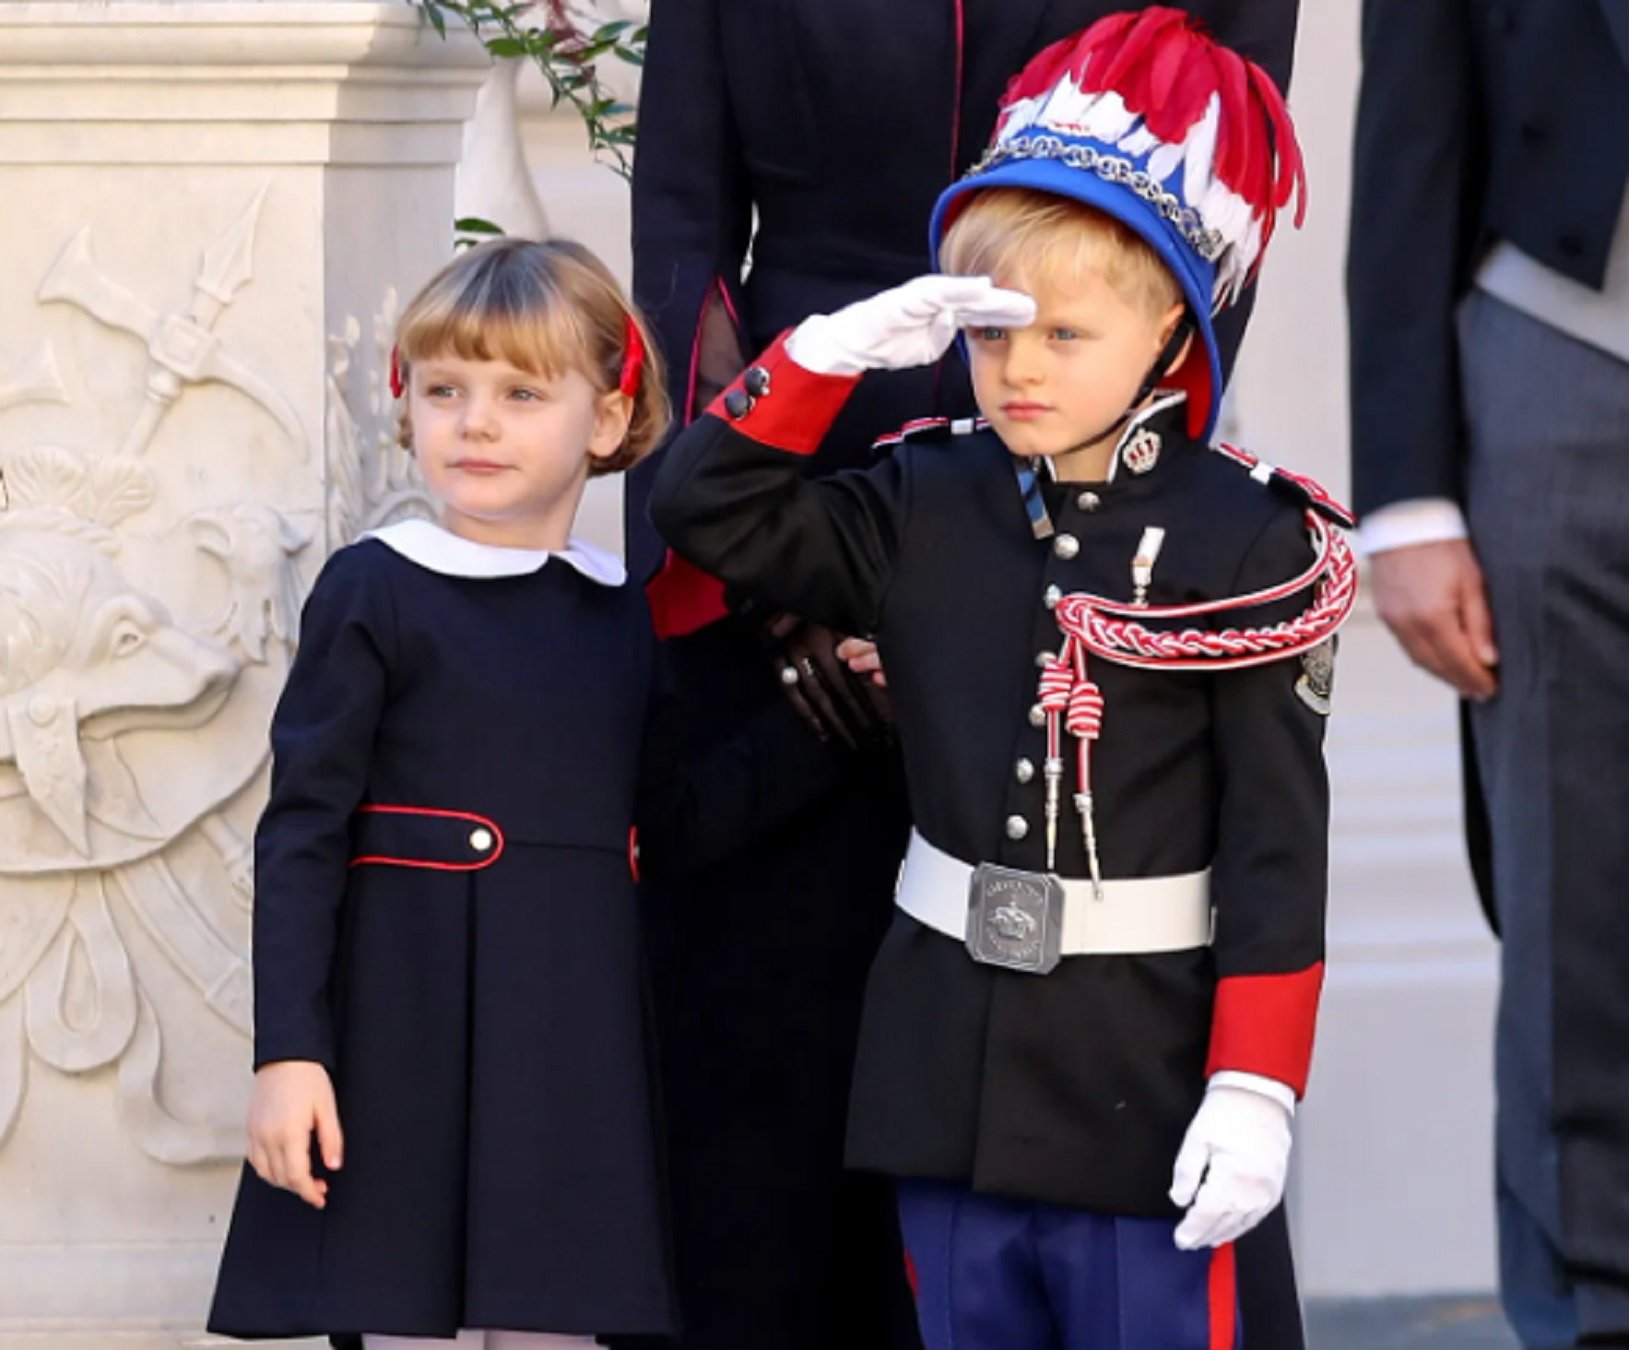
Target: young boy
1109 651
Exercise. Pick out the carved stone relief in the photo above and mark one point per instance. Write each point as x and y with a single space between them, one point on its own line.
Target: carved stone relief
371 479
146 622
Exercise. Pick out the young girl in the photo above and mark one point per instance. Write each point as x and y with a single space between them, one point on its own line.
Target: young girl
448 992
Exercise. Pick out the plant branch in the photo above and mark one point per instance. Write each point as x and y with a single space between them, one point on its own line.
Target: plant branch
544 32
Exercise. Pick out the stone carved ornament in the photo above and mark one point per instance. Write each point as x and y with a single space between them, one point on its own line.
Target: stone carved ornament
133 717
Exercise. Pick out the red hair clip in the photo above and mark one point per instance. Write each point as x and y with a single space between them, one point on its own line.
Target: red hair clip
633 360
397 388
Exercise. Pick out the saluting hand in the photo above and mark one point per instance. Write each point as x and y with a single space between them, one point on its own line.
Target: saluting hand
291 1099
911 325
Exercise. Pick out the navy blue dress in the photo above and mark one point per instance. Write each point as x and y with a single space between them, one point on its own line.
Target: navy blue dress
445 919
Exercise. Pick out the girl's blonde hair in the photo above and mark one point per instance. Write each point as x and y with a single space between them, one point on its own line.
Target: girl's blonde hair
1012 232
544 307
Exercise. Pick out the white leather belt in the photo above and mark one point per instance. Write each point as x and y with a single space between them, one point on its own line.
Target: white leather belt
1137 914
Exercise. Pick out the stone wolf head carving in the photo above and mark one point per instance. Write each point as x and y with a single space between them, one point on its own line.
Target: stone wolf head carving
82 650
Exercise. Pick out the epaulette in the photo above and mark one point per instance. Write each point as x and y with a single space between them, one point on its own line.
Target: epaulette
1297 487
931 429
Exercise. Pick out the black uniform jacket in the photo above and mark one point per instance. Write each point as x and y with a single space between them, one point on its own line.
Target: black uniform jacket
445 919
816 135
1479 120
1074 1087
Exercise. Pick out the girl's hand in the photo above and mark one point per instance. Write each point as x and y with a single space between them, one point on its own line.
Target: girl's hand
863 660
291 1099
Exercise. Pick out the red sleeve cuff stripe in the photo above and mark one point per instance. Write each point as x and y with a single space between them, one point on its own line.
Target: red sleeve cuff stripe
796 411
1264 1024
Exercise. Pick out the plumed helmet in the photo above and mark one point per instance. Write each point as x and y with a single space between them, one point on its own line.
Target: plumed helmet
1148 119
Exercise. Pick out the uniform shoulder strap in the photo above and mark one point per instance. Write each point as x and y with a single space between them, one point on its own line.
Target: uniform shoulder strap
930 429
1304 491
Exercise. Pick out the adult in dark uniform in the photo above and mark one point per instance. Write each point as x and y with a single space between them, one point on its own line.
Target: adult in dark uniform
814 136
1489 284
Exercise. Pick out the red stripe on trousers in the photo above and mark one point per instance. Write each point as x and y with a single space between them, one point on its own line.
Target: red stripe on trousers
1223 1300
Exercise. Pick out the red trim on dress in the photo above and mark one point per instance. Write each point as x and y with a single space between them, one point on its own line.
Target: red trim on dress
1264 1024
470 816
633 853
1223 1296
683 599
799 408
687 414
912 1279
729 304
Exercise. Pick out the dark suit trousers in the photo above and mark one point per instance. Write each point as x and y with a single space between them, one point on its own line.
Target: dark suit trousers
1548 507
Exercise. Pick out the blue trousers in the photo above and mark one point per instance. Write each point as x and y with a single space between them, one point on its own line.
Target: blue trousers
993 1274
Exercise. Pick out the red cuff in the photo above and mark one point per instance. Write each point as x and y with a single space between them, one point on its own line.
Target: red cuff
792 408
1264 1024
683 599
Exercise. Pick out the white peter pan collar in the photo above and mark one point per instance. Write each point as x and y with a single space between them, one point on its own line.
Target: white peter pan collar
439 550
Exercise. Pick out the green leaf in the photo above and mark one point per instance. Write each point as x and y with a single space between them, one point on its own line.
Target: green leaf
507 47
475 225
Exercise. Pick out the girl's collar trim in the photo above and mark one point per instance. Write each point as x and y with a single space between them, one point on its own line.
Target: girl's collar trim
439 550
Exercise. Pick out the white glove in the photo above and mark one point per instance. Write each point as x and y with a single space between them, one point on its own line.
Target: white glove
1230 1170
910 325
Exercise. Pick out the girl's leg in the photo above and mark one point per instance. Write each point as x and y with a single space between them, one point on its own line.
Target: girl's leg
536 1340
464 1340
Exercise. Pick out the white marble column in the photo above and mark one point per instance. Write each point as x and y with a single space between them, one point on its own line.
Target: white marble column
208 213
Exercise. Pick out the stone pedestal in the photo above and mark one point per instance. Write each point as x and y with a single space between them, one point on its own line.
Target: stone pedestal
208 212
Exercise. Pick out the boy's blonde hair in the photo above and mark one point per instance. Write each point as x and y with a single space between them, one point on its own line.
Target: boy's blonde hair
1013 232
544 307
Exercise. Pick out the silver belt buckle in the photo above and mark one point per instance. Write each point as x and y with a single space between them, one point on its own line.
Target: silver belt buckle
1015 919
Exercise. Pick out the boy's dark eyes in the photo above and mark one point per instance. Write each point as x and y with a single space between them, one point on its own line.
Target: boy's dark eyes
987 334
1065 334
440 391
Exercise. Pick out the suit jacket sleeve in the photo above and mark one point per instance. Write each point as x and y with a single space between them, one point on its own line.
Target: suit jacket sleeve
1269 875
1417 189
322 740
692 224
732 498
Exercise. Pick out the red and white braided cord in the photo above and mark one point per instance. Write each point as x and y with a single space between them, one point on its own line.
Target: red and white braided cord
1117 631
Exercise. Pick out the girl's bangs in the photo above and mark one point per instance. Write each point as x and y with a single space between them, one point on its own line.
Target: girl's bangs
511 314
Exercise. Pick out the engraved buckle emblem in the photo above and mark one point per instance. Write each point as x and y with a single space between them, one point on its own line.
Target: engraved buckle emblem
1015 919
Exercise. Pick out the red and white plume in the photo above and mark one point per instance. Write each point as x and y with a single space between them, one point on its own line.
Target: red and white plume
1210 126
